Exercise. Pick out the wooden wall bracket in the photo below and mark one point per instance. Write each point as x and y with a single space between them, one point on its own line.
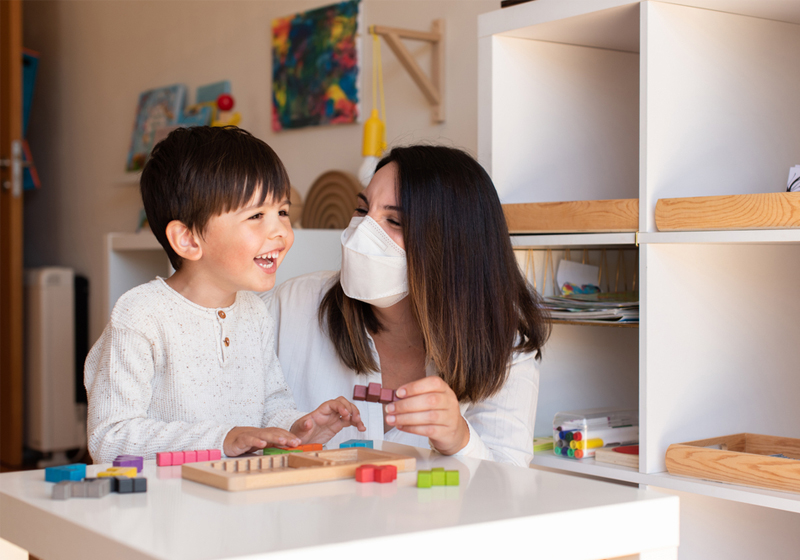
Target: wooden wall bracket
432 88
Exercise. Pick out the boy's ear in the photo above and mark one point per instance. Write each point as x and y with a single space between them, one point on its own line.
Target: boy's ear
183 241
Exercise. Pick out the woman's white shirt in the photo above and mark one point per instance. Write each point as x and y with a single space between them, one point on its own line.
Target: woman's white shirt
500 427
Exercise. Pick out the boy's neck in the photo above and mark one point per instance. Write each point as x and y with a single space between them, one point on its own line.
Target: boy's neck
200 290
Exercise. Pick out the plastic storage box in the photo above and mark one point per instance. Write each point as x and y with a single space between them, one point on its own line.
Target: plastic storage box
578 433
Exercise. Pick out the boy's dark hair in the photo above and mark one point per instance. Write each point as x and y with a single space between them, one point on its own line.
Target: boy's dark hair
200 172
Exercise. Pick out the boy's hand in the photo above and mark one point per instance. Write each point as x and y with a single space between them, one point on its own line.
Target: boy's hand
325 422
246 439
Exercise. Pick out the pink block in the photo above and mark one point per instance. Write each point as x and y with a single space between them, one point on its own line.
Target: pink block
177 457
214 454
202 456
387 396
365 473
360 393
374 392
385 473
164 459
190 456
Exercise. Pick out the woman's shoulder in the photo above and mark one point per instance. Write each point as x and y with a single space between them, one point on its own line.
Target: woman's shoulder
302 293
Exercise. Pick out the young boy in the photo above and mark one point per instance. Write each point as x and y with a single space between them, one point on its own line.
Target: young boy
188 362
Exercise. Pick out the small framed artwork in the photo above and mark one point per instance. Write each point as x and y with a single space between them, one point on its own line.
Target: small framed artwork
157 108
315 67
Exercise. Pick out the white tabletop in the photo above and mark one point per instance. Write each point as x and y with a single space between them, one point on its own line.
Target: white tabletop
498 509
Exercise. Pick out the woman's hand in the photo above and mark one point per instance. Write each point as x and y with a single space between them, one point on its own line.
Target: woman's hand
327 420
429 407
247 439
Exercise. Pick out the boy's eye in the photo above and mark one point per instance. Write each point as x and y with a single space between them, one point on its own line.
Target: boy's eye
257 216
284 213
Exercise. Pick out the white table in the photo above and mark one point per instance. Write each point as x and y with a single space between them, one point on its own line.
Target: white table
498 510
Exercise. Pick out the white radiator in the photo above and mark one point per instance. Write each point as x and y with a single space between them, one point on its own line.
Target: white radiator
55 422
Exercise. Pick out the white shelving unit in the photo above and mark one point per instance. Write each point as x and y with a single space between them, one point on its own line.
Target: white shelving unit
606 99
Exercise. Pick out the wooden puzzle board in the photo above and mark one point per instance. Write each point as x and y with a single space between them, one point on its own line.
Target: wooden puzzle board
267 471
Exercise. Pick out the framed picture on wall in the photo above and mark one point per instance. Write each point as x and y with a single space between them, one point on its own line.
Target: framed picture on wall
315 67
157 109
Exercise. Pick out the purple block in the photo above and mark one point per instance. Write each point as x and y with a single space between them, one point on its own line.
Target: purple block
360 393
130 461
387 396
374 392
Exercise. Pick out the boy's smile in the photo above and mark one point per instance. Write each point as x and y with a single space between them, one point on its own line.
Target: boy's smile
240 250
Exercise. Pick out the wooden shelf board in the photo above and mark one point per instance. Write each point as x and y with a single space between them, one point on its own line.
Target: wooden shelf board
785 501
731 212
580 216
595 324
733 237
582 240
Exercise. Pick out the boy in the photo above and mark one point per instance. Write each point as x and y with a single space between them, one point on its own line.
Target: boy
188 362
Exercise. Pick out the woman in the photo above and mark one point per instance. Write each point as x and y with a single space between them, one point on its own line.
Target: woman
429 302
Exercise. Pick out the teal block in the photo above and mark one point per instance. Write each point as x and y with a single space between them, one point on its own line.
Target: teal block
76 471
356 443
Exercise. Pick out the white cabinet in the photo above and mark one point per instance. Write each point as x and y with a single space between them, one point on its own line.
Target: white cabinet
603 99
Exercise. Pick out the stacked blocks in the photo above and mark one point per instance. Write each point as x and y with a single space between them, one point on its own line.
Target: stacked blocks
129 472
374 393
373 473
76 471
175 458
356 443
98 487
129 461
437 477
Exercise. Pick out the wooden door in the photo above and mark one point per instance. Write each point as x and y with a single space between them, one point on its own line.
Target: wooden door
11 322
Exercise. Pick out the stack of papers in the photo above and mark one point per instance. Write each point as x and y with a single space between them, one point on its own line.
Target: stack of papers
621 307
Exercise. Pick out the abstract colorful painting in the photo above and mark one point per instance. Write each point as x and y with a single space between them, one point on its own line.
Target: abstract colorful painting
315 67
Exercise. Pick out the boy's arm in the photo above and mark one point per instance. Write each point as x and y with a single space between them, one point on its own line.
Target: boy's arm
119 378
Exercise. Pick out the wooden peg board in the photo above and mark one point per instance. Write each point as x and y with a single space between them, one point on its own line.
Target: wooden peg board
269 471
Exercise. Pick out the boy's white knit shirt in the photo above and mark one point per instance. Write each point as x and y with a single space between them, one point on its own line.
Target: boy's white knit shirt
161 377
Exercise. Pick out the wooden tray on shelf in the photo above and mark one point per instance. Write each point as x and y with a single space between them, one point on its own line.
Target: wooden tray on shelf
743 211
267 471
581 216
741 459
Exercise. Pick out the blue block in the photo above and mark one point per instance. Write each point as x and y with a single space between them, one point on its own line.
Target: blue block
76 471
356 443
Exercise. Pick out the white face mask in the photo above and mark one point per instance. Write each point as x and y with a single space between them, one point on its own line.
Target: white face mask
373 265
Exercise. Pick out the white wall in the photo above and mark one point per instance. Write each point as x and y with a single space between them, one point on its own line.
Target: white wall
97 56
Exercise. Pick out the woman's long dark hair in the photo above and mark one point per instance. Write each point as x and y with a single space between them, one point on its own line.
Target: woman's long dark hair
472 303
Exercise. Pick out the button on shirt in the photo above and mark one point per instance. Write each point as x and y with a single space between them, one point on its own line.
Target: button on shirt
501 427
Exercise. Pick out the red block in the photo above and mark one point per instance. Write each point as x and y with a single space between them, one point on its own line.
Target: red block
360 393
164 459
202 456
365 473
374 392
214 454
177 458
190 456
386 473
387 396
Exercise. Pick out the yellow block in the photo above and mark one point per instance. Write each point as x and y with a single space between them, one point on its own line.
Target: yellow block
130 472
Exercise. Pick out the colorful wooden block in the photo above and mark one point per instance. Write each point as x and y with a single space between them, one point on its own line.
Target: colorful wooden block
63 490
98 487
139 484
177 458
357 443
214 454
424 479
437 477
385 473
129 461
76 471
360 393
164 459
129 472
387 396
124 485
311 447
451 478
202 456
190 456
374 392
365 473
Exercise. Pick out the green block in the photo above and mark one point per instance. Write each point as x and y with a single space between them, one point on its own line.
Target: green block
424 479
274 451
451 478
438 477
437 469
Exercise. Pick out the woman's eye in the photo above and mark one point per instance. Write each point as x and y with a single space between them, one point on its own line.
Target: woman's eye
362 211
393 222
